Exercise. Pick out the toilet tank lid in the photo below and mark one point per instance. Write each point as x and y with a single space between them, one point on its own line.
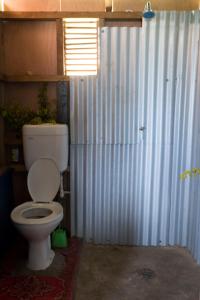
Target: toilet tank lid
45 129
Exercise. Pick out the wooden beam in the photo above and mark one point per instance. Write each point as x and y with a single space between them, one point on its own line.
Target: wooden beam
60 43
35 78
120 23
52 16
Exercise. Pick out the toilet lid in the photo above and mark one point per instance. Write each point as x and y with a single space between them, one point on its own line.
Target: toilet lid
43 180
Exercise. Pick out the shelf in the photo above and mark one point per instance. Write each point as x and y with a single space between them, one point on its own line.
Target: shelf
35 78
46 16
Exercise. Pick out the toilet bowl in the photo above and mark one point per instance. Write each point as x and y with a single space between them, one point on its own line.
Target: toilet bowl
36 219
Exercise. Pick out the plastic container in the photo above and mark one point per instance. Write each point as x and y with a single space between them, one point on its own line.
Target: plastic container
59 238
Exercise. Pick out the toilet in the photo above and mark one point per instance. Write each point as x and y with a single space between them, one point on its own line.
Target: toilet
46 157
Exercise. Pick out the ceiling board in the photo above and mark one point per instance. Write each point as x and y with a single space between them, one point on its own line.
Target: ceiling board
83 5
97 5
121 5
32 5
54 5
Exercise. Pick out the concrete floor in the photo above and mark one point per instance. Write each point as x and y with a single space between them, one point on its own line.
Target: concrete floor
137 273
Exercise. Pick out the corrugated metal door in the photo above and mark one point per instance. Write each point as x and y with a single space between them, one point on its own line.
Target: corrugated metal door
132 134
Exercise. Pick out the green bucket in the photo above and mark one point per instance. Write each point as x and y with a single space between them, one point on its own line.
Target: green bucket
59 238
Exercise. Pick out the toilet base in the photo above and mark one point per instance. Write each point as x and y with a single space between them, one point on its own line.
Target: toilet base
40 255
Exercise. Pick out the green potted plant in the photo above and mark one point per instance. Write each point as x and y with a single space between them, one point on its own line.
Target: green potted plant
16 115
45 114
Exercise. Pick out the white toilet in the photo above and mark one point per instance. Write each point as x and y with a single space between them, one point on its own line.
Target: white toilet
46 157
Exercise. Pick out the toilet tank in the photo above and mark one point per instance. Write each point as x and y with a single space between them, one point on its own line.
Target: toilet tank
46 141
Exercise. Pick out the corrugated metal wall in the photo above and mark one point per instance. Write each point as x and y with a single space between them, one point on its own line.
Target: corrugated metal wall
124 180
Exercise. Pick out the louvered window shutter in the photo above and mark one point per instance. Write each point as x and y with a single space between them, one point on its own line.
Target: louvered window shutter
80 46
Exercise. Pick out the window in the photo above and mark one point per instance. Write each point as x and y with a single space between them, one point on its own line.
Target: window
80 46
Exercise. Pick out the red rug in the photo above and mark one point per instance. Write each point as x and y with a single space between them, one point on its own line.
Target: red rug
38 285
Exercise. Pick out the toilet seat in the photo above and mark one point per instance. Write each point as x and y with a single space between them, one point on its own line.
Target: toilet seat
43 180
17 214
43 184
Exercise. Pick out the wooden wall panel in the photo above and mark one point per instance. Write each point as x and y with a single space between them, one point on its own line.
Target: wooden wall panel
2 160
31 5
26 93
83 5
120 5
97 5
2 156
1 49
54 5
30 48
